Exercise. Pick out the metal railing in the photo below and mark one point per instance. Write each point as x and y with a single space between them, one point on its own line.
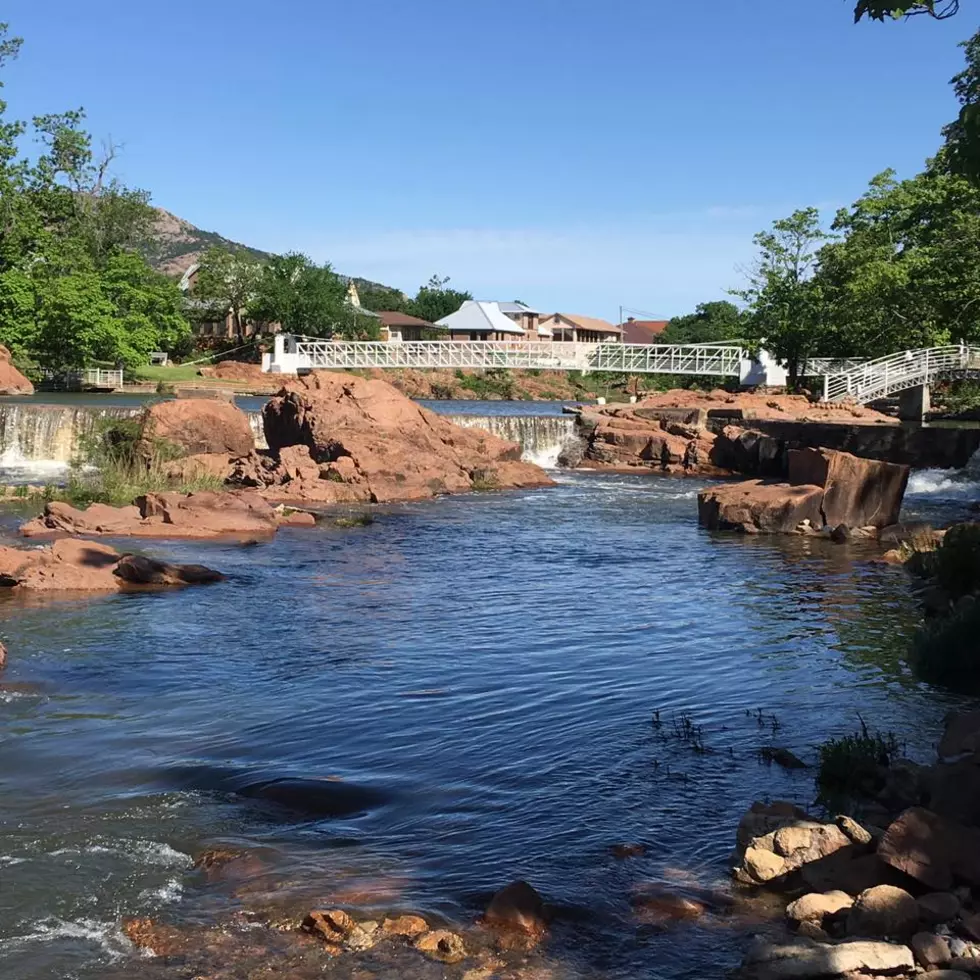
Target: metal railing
556 356
95 378
816 367
899 372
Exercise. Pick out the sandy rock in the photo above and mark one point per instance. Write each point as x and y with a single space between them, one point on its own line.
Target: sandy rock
883 911
938 907
788 849
200 426
763 818
441 945
12 382
931 951
931 849
806 959
853 829
816 906
336 928
408 926
163 515
398 450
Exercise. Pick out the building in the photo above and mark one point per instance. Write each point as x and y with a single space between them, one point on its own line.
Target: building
397 327
483 320
526 317
643 331
571 327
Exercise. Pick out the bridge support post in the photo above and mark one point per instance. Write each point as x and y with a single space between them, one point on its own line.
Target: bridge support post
914 404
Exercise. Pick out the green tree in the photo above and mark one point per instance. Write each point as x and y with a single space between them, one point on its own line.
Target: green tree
883 9
962 151
301 296
376 297
226 284
710 322
435 300
784 302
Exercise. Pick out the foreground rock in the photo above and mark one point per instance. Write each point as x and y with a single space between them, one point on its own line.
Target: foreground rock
87 566
803 959
936 852
12 382
517 915
199 426
163 515
827 490
336 438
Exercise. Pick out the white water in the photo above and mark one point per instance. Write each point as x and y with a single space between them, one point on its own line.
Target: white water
542 437
952 485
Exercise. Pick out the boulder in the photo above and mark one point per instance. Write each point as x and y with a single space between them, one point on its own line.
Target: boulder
747 451
70 565
338 930
12 382
199 426
883 912
931 951
763 818
953 790
961 736
935 851
441 945
805 958
815 906
518 907
937 908
163 515
771 858
757 505
857 492
396 449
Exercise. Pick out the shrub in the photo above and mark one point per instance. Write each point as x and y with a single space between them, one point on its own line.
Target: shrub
957 561
946 650
854 767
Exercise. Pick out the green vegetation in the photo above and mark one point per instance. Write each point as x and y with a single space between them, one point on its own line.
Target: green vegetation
710 323
854 766
169 374
883 9
956 397
485 480
354 520
432 302
73 286
492 384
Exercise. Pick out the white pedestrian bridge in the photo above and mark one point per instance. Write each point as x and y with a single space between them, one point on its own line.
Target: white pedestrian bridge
851 379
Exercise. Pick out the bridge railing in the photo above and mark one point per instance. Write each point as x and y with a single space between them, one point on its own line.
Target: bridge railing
899 372
711 359
326 354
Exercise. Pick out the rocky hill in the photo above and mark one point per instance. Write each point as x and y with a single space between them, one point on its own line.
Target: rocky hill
177 244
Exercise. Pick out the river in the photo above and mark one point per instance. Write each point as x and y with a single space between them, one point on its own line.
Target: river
490 667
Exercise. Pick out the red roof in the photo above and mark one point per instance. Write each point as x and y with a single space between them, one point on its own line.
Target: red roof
643 331
392 318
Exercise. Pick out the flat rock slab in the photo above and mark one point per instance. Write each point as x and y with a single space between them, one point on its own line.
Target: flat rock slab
805 959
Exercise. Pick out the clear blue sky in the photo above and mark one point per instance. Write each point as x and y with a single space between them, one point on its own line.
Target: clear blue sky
574 154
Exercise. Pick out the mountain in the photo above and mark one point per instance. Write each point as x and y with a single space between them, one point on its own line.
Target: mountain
177 244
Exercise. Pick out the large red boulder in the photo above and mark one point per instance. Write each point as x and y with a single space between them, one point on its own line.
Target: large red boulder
757 505
857 492
936 852
70 565
12 382
200 426
369 442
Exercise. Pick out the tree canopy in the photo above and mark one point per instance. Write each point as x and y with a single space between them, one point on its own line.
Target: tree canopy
72 287
436 299
883 9
710 322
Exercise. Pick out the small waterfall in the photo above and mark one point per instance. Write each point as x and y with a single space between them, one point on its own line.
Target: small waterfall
40 441
255 421
542 437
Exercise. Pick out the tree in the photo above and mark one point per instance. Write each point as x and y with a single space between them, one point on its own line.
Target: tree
784 302
882 9
226 283
710 322
905 271
376 297
962 150
435 300
302 297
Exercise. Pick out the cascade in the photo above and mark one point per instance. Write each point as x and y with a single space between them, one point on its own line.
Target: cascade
542 437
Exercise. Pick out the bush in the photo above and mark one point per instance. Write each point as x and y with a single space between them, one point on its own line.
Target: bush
957 561
946 650
854 767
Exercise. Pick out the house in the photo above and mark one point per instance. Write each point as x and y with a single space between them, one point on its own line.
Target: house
526 318
396 327
483 320
581 329
643 331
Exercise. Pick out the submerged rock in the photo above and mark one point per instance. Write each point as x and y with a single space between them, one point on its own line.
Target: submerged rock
517 908
406 926
442 945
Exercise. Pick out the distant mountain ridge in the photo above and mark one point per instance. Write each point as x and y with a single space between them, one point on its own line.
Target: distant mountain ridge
176 245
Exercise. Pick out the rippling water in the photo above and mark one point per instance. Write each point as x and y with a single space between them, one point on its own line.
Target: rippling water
489 666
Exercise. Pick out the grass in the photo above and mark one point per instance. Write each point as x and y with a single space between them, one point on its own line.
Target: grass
172 373
854 767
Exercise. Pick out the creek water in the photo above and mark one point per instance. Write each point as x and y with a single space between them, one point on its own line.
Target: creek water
487 670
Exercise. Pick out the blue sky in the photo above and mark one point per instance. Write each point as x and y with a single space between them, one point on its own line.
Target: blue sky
576 155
